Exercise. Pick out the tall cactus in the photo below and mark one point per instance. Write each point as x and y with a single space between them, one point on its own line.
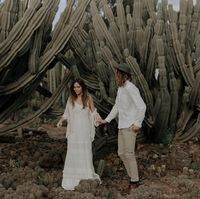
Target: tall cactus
9 16
28 82
160 45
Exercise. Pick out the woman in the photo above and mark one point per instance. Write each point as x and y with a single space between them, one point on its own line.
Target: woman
80 114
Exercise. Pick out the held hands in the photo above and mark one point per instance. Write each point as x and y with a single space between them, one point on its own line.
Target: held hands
101 121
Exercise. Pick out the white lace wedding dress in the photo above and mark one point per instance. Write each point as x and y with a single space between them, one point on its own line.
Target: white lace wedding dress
78 162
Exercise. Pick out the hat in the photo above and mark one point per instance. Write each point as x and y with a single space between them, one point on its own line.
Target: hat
124 68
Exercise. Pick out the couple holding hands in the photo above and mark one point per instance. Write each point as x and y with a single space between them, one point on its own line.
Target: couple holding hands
82 117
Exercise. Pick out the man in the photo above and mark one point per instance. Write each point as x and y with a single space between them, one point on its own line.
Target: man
130 109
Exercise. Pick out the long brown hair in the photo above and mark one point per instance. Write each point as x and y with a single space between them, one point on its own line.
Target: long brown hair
84 92
121 77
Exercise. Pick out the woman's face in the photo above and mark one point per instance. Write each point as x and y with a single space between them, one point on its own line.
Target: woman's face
77 88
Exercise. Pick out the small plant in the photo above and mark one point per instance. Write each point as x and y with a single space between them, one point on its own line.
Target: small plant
195 166
168 138
110 195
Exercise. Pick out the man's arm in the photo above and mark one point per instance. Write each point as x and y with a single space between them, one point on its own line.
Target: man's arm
141 106
113 113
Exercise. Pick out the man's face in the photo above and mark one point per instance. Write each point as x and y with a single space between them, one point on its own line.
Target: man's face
117 75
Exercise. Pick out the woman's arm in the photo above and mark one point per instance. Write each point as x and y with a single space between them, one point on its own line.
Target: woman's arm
91 104
95 115
65 115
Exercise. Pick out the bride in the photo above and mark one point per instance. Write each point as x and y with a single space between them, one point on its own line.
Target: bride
81 117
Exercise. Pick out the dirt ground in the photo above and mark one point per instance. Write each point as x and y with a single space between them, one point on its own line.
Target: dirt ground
31 166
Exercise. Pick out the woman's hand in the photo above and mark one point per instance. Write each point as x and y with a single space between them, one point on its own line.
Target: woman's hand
97 118
101 121
59 124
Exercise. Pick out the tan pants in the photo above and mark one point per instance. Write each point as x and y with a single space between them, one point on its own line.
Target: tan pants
126 151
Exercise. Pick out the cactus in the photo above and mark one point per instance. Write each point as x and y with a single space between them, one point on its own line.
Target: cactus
130 32
121 19
98 22
9 16
161 46
141 83
113 29
26 81
101 167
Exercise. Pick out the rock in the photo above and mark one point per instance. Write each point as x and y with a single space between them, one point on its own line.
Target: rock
185 170
191 172
158 169
163 168
179 159
155 156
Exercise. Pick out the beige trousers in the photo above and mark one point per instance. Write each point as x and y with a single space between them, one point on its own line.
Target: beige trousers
126 151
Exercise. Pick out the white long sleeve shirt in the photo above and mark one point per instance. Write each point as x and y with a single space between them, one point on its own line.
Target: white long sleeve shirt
129 107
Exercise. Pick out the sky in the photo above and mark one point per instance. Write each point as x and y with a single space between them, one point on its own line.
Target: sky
175 3
63 4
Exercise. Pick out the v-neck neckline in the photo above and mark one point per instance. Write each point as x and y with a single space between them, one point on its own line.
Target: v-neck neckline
79 104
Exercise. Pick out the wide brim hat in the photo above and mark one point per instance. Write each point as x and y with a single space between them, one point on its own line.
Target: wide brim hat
124 68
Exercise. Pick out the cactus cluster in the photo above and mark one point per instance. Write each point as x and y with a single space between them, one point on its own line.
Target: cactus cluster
160 45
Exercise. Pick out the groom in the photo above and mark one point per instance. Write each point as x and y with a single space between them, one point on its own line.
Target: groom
130 109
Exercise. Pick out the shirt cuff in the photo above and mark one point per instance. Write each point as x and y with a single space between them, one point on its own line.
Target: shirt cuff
107 120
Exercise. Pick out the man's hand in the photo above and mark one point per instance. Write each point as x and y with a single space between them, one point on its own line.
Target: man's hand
136 129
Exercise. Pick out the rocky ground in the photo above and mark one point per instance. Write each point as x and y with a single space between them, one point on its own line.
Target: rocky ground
31 168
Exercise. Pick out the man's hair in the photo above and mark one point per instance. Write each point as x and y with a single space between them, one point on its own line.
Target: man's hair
122 77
